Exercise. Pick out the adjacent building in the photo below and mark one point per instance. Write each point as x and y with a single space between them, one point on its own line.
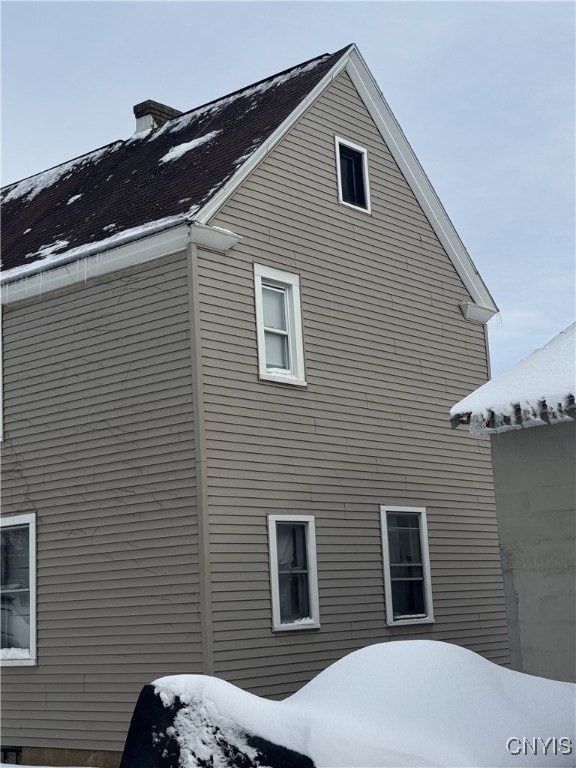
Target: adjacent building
529 412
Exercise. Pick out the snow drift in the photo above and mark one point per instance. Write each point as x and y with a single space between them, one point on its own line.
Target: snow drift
400 703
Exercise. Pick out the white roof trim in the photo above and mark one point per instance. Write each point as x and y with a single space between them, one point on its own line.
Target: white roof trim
390 130
110 259
417 179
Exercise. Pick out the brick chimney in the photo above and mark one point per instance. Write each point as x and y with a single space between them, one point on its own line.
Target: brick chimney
152 114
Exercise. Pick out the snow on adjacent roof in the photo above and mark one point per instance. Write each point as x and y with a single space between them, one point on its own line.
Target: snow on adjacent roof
400 703
538 390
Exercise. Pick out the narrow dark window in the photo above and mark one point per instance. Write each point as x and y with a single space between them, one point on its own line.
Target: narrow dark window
406 567
293 585
352 181
293 573
407 582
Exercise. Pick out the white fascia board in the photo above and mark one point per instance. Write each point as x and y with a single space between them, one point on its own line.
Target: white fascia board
129 254
215 203
417 179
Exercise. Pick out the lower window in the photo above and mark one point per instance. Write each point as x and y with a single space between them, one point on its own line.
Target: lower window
293 573
18 590
406 565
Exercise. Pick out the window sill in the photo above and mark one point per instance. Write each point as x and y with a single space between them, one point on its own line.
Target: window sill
17 663
356 207
293 381
296 626
404 622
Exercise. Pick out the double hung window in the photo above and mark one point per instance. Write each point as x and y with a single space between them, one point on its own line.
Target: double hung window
279 326
352 165
406 565
293 572
18 590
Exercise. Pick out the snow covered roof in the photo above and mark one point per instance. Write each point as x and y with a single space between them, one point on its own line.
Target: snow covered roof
128 184
538 390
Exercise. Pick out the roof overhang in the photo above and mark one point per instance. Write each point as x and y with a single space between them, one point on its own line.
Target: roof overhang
519 416
105 257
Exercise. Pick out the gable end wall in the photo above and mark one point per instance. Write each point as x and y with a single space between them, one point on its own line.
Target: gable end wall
387 353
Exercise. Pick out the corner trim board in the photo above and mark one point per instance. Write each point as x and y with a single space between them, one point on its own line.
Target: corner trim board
202 506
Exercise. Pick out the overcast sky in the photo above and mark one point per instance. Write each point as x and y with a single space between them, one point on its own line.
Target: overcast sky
484 91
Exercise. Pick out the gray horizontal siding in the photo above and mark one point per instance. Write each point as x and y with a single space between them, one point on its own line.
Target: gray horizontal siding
387 354
100 444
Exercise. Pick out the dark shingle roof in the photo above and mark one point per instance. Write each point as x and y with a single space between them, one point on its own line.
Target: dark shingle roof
168 171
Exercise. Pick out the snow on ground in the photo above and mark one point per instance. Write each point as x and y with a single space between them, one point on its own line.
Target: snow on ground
548 374
401 703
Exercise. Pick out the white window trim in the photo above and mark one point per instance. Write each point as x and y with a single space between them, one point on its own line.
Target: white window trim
291 282
364 152
429 617
30 520
313 601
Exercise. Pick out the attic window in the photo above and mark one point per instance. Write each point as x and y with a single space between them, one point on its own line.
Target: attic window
352 166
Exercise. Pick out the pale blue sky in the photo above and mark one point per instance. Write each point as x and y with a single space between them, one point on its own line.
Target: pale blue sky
483 90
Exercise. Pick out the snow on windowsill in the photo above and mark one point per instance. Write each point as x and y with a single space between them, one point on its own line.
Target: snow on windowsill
304 622
7 654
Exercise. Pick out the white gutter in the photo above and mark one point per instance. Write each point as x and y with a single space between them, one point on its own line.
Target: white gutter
126 250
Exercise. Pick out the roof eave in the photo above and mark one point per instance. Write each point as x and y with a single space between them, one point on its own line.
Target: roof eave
103 258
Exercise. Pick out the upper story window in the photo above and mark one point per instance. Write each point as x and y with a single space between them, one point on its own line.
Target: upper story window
352 165
18 590
279 326
293 573
406 565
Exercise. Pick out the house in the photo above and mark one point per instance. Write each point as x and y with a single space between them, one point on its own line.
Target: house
230 342
529 413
